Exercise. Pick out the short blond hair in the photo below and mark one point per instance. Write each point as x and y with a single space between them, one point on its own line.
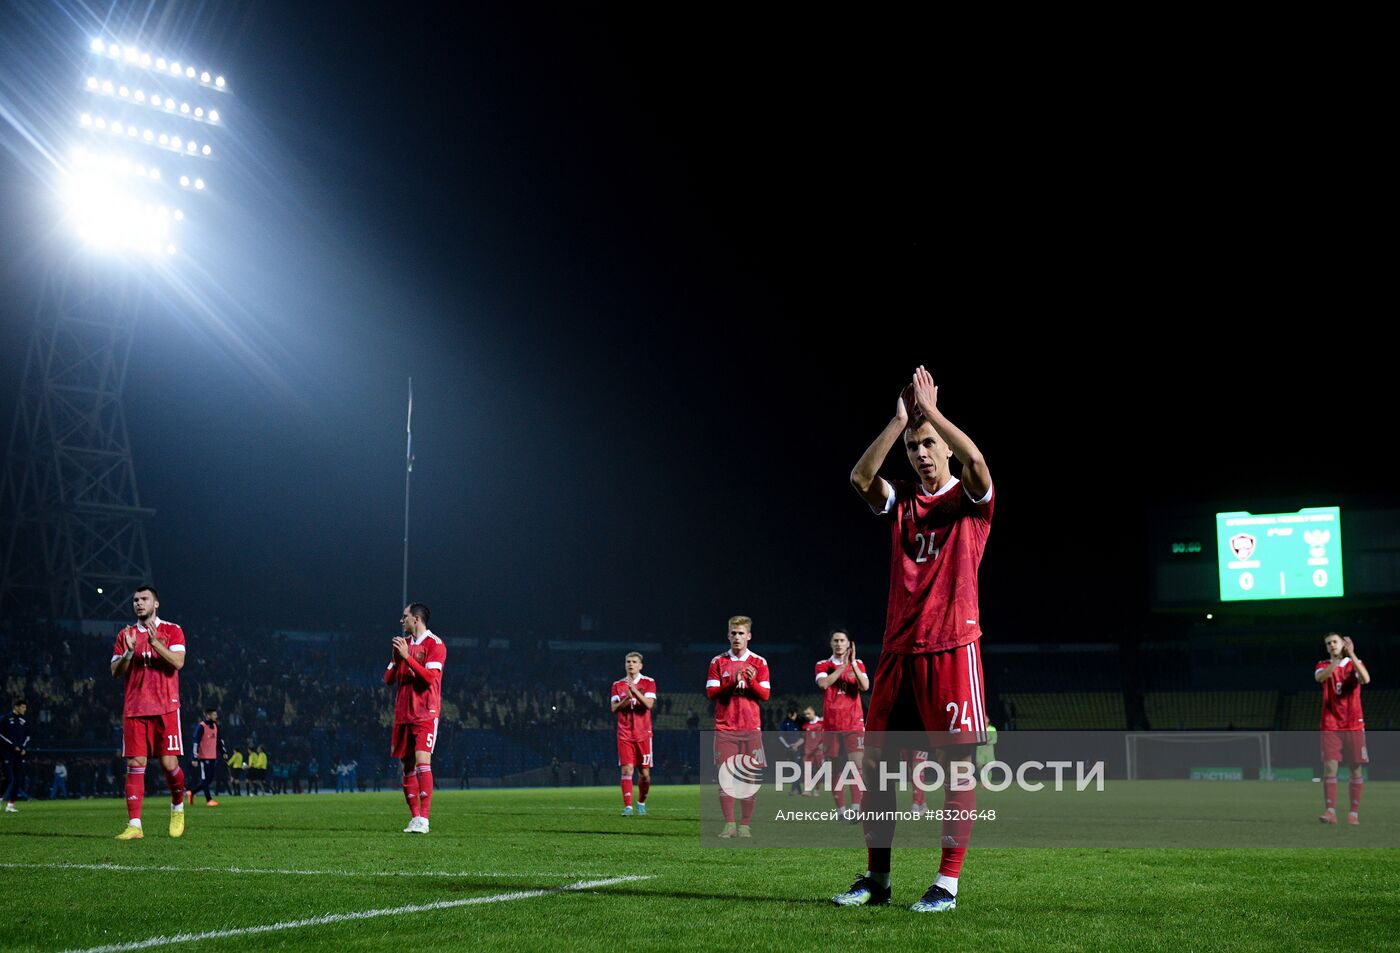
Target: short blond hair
743 620
635 655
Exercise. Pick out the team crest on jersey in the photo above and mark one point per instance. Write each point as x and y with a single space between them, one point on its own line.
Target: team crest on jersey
1243 545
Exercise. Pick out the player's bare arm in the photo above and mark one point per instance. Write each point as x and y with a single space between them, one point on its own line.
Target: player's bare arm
123 662
865 477
176 659
975 475
1349 650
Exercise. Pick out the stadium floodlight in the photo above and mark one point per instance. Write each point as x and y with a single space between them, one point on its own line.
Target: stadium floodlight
111 196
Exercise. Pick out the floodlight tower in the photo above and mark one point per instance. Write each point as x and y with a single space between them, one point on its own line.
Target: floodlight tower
74 533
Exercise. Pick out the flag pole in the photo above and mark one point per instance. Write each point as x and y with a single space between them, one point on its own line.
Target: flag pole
407 477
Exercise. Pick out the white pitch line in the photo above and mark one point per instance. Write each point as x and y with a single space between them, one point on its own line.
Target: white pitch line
329 918
135 868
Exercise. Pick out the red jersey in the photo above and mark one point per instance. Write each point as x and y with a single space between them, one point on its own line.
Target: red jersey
812 738
736 698
936 545
841 709
1341 698
634 718
420 688
152 683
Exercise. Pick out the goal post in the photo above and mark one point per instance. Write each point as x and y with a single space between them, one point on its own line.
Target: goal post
1255 743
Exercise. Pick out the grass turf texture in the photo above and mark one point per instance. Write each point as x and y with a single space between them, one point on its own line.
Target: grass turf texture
488 843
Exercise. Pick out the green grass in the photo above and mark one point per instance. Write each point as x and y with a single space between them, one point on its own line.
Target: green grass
490 843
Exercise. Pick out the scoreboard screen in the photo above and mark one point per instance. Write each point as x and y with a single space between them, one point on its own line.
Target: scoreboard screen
1280 555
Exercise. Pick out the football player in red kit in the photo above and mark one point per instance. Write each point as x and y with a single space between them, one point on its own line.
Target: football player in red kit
415 666
149 655
738 681
1341 675
842 678
929 678
632 700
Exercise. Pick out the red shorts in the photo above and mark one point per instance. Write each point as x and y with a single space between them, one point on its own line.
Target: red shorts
1345 747
938 692
411 736
852 742
636 753
731 743
149 736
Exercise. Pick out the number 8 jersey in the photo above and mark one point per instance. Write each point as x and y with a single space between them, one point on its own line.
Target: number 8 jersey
936 545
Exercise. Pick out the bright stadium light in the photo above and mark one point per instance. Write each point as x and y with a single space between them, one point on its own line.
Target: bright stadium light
113 197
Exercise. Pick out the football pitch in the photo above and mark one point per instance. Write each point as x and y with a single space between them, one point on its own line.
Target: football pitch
559 870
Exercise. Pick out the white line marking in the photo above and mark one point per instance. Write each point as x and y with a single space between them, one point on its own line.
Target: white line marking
328 918
296 873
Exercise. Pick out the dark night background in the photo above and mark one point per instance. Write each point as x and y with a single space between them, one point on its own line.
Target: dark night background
658 276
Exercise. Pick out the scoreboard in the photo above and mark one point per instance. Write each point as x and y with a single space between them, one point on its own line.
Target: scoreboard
1280 555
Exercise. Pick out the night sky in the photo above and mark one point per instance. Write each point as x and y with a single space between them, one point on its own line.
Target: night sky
658 277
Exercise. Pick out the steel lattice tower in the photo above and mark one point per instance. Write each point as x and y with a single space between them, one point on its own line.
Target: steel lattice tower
74 527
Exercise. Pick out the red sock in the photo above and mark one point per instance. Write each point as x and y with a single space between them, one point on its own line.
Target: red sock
747 815
643 786
959 829
626 792
1354 789
410 791
919 797
1329 791
175 781
425 789
135 791
840 795
726 805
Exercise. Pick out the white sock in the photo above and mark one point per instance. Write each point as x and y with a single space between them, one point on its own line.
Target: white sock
177 808
949 884
882 878
134 822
